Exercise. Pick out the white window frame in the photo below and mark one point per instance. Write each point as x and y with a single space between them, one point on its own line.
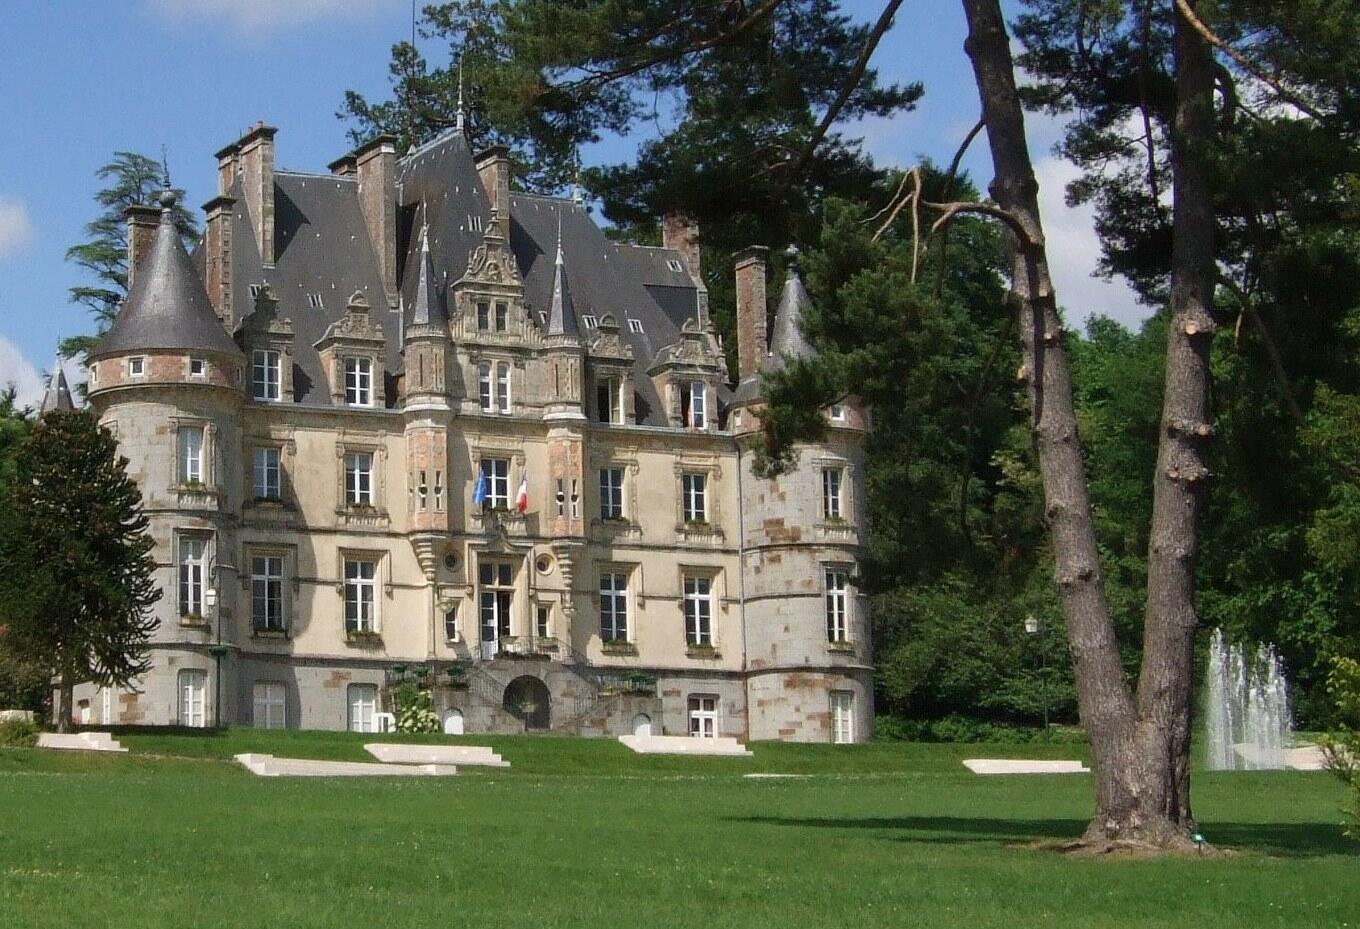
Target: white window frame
836 583
694 405
500 316
137 366
269 705
836 412
361 706
614 625
833 491
486 397
611 492
610 390
359 479
266 375
267 473
361 594
192 687
268 607
842 717
702 712
190 442
503 388
497 471
543 620
698 608
359 381
198 366
495 599
191 574
694 497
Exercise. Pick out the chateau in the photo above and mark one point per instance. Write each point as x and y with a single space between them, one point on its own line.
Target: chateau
400 423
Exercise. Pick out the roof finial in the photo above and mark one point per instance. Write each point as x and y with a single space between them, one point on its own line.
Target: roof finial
577 196
460 120
167 196
559 235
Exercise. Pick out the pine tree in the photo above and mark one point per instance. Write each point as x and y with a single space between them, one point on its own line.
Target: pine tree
76 569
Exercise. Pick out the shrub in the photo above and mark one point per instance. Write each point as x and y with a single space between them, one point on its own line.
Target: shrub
415 709
1342 746
963 729
18 733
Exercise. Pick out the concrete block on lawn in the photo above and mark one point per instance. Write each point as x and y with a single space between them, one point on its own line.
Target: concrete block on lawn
269 766
16 716
1302 758
1023 766
475 755
80 741
685 745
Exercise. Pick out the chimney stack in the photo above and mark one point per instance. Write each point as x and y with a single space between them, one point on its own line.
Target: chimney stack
217 249
228 167
256 154
751 310
375 166
142 221
493 167
681 233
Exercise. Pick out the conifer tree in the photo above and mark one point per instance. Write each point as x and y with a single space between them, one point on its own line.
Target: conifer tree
76 569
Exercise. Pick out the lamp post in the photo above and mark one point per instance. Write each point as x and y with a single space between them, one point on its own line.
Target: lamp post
210 601
1034 628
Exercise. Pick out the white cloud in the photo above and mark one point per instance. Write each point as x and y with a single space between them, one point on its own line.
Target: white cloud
17 370
1074 251
15 228
268 15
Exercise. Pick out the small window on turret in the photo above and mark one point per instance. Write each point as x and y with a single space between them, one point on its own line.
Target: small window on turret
197 367
136 367
635 325
589 320
837 412
315 302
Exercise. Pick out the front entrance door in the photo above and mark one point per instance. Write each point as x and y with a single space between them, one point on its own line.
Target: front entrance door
495 578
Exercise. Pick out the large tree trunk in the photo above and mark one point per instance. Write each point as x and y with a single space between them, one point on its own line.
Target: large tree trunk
1139 756
64 707
1166 684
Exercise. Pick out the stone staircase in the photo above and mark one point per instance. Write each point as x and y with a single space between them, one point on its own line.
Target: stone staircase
80 741
468 755
685 745
269 766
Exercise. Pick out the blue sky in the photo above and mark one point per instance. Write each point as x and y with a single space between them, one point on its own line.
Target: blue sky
85 78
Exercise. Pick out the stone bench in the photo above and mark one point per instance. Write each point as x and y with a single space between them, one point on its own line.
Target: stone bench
473 755
269 766
1023 766
685 745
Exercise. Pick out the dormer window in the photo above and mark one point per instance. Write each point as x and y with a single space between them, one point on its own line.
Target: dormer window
137 367
483 316
484 394
635 325
589 321
694 405
359 381
266 382
837 412
502 316
674 264
255 290
503 387
315 302
198 367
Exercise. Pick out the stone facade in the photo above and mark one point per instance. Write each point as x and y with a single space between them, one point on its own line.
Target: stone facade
345 480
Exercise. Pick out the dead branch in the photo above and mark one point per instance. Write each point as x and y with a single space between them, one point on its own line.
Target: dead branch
948 211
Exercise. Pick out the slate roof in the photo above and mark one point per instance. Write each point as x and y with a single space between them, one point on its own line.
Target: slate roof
787 341
167 307
58 394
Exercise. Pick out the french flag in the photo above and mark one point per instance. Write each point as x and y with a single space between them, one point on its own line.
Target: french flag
522 498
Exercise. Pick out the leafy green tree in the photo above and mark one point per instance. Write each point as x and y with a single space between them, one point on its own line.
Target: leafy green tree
130 179
77 584
1342 745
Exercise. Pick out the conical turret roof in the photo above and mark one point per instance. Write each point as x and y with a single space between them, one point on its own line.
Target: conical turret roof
58 395
426 309
561 312
787 341
167 308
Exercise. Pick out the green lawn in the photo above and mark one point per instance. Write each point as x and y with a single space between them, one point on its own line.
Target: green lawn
584 833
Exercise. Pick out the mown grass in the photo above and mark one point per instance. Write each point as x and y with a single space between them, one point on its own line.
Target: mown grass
584 833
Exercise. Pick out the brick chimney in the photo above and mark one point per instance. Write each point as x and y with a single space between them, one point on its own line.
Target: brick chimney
375 166
228 167
752 344
217 250
142 221
256 153
493 166
343 166
681 233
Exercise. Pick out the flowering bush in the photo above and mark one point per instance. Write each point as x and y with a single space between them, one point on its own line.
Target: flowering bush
415 710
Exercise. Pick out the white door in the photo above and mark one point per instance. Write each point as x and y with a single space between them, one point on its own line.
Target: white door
642 724
86 714
193 698
363 707
106 713
842 717
703 717
453 722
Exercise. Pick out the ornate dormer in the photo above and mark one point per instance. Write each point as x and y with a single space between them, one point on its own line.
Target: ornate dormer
611 374
687 374
352 356
489 298
267 339
426 337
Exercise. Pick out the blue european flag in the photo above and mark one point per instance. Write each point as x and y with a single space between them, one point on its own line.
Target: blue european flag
479 491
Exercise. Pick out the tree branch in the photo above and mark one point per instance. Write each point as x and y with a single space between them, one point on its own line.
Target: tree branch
1272 350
